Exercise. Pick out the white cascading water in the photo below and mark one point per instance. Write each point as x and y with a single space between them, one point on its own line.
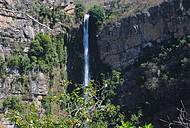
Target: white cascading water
86 52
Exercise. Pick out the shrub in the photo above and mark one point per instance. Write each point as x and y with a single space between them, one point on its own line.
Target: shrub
24 64
60 48
97 13
131 125
79 11
12 102
13 61
111 82
78 109
19 62
3 66
48 13
43 52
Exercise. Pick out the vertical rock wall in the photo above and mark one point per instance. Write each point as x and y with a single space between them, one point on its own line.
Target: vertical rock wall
121 43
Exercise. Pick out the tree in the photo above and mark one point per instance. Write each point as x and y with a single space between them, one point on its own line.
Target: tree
24 64
13 61
13 103
79 108
43 52
60 49
97 13
3 66
79 12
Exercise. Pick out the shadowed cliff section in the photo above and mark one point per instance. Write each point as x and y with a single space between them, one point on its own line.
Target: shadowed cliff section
132 41
120 43
75 65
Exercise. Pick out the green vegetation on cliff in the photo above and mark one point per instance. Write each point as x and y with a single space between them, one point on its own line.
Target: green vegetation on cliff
172 63
91 107
98 14
166 67
43 53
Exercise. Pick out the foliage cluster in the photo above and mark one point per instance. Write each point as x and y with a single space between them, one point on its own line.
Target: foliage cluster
79 12
97 13
101 14
131 125
49 13
78 109
20 62
13 102
3 66
45 54
156 64
52 14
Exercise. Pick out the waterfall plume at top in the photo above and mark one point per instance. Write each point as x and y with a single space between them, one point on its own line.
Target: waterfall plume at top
86 49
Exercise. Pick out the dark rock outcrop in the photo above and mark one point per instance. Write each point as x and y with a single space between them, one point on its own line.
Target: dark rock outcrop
121 43
124 44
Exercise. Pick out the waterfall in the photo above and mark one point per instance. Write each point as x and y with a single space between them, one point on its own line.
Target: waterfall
86 52
86 56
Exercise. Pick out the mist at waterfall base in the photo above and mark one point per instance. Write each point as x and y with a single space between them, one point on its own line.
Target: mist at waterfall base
86 50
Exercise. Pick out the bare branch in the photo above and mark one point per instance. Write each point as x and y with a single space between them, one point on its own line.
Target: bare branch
183 120
24 13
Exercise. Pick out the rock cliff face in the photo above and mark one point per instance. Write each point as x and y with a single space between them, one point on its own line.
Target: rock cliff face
119 45
19 24
16 33
122 45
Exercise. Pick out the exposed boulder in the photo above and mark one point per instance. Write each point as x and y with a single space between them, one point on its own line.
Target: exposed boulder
38 84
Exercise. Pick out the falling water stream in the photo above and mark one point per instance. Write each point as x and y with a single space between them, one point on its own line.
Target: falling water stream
86 52
86 56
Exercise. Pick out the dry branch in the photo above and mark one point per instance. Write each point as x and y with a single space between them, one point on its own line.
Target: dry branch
30 17
183 120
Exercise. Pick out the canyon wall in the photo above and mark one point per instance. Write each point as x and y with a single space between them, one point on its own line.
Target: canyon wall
119 45
19 23
123 44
